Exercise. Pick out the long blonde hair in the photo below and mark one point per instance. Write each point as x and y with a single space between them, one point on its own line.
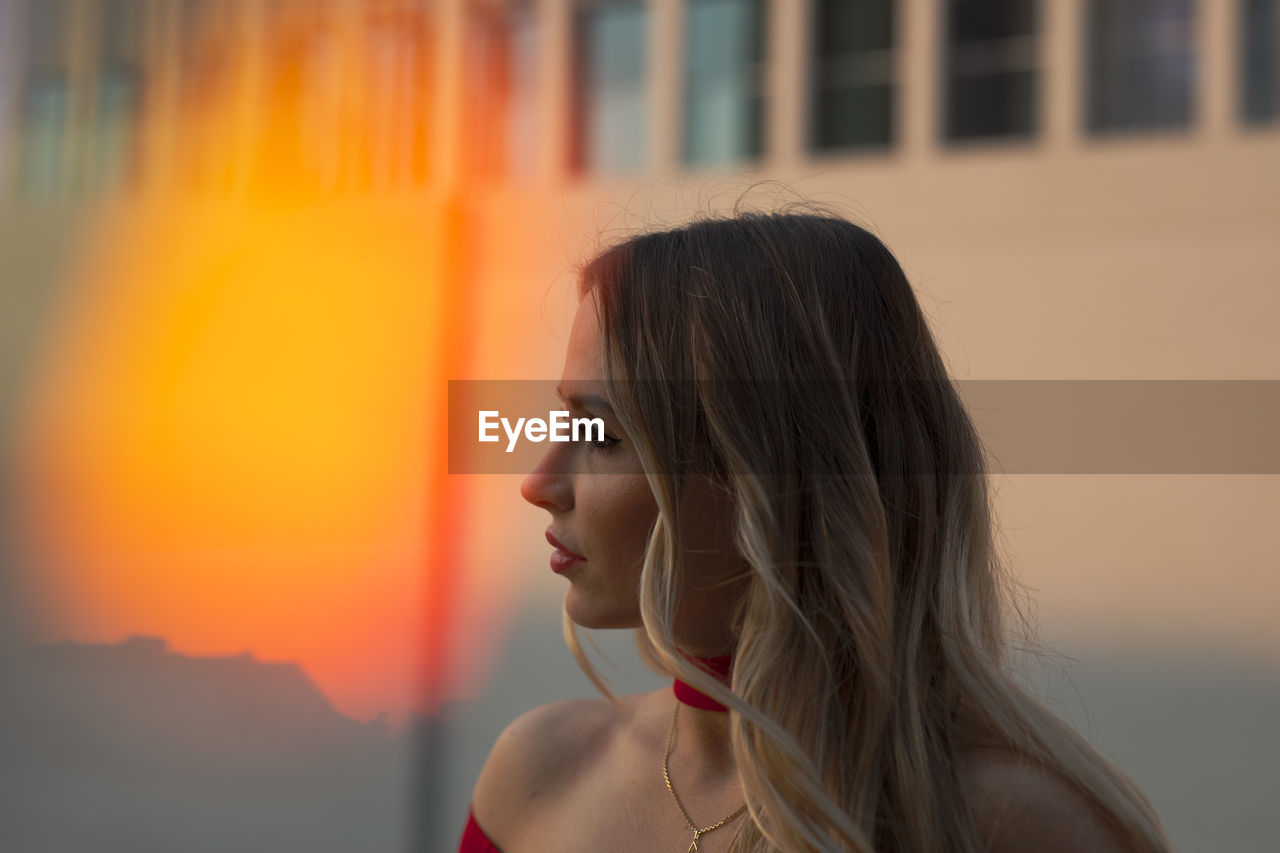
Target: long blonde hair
786 355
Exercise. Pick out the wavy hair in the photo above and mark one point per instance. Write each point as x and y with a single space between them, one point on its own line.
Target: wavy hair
786 355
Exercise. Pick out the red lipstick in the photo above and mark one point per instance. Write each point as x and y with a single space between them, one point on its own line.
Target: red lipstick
562 559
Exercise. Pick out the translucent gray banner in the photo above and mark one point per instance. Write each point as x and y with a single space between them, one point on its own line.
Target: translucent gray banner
1218 426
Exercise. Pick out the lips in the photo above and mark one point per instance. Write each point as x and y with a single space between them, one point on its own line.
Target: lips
560 546
562 559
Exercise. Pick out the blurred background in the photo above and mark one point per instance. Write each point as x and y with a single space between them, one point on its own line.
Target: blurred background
244 244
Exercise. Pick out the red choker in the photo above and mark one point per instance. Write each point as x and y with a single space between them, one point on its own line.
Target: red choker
692 696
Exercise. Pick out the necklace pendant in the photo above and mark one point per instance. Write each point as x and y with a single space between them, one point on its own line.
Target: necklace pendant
694 845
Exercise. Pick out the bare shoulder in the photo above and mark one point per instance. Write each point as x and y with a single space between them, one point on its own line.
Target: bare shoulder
1021 806
536 757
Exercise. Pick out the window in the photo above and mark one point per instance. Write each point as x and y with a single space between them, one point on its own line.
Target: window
853 77
398 52
296 147
1260 75
118 114
991 69
500 96
723 106
611 102
1141 64
484 78
522 104
10 70
206 35
206 82
45 104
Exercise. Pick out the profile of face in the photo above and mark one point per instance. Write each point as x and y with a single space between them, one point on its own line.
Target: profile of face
603 510
600 503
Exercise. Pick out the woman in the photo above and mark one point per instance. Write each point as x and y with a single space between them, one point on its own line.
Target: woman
790 502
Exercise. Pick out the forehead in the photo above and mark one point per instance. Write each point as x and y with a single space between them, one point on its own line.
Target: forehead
584 359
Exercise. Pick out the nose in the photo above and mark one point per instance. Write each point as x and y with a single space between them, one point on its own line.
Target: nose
547 486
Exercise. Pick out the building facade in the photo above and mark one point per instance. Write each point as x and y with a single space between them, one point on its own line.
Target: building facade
101 96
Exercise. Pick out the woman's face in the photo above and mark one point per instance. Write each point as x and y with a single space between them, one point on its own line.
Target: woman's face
602 510
600 503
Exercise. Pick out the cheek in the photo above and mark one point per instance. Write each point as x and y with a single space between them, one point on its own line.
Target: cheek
624 516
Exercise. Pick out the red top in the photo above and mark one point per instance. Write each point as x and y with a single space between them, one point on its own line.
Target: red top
474 840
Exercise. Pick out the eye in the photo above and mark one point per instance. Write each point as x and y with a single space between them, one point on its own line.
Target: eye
603 445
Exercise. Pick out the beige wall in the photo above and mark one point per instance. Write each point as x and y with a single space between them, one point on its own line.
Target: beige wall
1148 256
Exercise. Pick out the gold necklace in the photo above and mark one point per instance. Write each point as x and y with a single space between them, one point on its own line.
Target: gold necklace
666 775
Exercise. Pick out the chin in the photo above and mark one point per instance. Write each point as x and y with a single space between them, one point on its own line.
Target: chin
588 612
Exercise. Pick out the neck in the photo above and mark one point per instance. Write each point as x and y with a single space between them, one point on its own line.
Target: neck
718 668
703 724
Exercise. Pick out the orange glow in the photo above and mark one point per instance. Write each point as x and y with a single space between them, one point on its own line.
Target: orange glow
228 444
234 437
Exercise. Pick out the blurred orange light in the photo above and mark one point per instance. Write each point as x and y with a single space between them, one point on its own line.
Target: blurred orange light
228 444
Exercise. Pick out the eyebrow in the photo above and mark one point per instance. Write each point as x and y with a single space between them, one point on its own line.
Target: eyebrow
585 401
